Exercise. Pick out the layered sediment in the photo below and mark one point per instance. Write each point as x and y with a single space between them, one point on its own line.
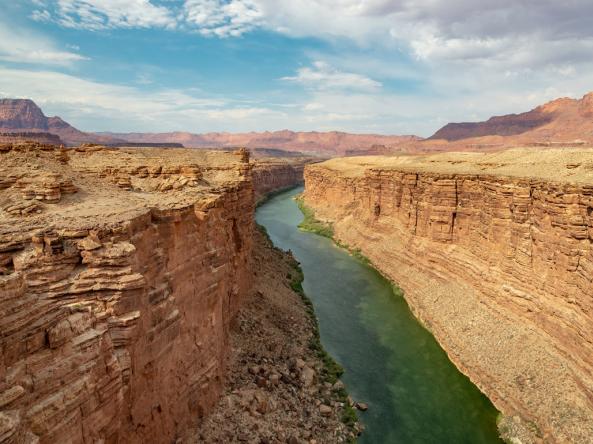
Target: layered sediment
120 271
495 255
271 175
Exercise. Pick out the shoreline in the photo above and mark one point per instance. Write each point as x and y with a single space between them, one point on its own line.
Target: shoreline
268 379
507 429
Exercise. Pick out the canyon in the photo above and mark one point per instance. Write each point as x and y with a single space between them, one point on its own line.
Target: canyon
494 255
121 272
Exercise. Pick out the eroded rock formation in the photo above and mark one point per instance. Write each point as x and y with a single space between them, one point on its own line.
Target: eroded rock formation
120 271
495 255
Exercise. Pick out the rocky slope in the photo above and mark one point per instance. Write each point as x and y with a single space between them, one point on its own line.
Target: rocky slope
560 121
120 271
278 390
495 255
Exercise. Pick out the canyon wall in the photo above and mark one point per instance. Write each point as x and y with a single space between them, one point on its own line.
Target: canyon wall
495 256
120 271
273 175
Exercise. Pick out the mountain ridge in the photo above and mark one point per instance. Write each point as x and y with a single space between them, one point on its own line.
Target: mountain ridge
560 120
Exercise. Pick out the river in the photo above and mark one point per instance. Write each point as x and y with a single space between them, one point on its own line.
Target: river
392 363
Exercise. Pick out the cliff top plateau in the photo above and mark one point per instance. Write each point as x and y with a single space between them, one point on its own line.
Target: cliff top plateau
573 165
42 186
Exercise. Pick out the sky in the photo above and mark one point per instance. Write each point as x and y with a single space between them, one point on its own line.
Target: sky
364 66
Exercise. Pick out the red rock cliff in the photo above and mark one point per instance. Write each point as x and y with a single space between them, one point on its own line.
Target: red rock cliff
272 175
119 274
495 255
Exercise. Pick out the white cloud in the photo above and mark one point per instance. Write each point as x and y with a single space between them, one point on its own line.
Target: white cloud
105 14
512 32
222 18
25 46
324 77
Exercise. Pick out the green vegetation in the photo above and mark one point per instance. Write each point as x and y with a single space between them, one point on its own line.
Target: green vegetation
331 369
310 223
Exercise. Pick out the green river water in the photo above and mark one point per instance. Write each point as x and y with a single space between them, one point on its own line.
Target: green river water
415 394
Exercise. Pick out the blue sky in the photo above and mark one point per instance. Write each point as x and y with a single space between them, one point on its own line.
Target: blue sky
378 66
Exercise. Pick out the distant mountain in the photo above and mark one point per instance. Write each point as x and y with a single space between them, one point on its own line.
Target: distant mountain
560 121
25 117
313 142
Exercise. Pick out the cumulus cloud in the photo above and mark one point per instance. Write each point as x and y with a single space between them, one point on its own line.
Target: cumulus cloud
105 14
464 59
222 18
322 76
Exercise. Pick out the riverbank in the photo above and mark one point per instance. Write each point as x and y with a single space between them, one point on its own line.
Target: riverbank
281 386
492 252
510 430
391 362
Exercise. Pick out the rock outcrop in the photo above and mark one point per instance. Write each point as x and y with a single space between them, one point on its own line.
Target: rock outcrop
120 271
495 255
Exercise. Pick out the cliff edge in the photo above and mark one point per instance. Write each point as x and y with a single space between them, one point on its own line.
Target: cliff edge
120 271
495 255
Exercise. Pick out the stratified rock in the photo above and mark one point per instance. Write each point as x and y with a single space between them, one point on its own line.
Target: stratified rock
116 305
494 253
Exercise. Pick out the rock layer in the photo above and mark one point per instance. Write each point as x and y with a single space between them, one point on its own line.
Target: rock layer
273 175
495 255
117 291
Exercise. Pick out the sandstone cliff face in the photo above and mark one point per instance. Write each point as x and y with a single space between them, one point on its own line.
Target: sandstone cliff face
21 114
272 175
117 289
498 265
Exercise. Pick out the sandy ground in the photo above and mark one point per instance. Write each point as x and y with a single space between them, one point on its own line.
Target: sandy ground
574 165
